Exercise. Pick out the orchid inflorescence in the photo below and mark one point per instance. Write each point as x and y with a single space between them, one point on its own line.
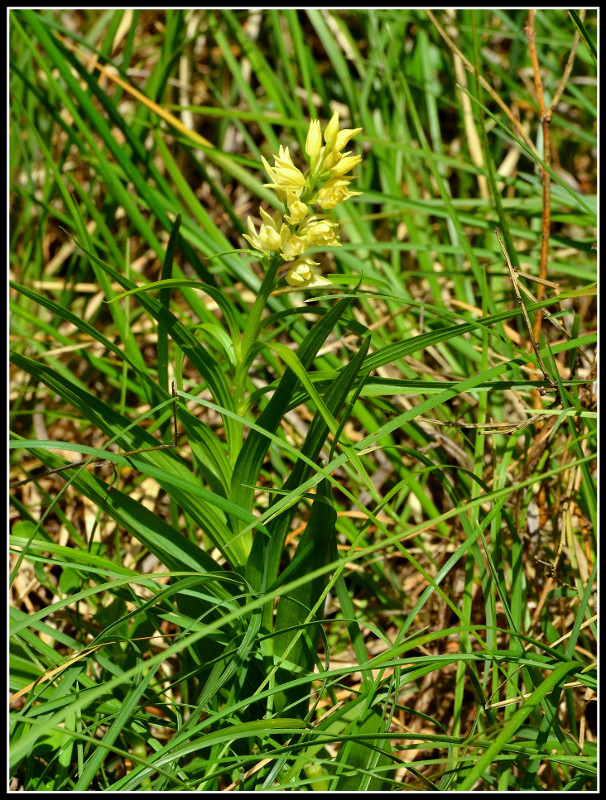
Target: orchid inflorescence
324 184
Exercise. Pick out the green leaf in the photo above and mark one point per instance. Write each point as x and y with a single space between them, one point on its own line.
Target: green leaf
261 572
296 646
250 458
364 764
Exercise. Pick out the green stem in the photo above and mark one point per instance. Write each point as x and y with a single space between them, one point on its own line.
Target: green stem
250 336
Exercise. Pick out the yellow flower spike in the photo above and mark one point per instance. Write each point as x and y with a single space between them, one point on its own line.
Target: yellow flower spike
324 184
334 192
298 210
331 131
313 143
302 275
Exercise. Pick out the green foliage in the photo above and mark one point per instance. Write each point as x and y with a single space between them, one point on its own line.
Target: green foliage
366 559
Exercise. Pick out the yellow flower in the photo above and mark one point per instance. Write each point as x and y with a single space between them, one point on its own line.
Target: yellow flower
344 165
284 175
321 232
344 136
268 239
313 143
291 245
302 274
298 210
336 139
331 130
334 192
331 160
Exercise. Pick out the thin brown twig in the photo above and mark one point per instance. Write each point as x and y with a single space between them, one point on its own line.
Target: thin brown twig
557 325
547 317
568 68
505 428
534 278
546 116
517 427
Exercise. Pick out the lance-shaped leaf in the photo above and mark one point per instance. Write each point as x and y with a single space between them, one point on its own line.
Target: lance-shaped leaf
295 608
262 568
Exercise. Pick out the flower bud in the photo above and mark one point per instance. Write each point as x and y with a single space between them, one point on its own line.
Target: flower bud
268 239
284 175
331 131
344 165
344 136
313 143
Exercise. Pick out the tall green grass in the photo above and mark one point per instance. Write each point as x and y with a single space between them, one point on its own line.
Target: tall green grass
369 561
